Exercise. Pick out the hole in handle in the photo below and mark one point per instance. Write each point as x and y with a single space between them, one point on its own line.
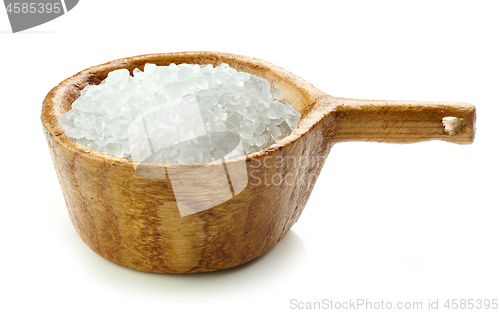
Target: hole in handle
452 125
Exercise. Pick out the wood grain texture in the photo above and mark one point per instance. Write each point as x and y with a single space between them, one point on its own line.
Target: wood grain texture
402 121
135 222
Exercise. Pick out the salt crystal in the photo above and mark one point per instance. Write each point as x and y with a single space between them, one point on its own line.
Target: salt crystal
185 72
219 154
275 133
149 68
260 129
222 116
90 134
276 110
88 122
260 140
75 132
276 93
246 135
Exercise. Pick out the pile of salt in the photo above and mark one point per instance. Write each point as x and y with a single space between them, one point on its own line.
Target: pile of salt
181 110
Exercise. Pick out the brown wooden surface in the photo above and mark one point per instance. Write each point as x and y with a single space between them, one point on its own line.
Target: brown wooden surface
135 222
401 121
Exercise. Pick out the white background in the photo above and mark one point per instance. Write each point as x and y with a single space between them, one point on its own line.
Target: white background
385 222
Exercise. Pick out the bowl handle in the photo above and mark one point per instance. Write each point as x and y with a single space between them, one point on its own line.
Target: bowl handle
400 121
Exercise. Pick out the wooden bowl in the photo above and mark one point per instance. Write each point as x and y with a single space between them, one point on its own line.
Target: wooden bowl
135 221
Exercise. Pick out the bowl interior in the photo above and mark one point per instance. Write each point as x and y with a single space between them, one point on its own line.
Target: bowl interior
294 89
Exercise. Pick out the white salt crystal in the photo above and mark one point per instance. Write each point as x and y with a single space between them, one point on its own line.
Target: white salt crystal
185 72
99 124
75 132
66 121
245 135
292 120
137 73
118 76
275 133
169 113
150 68
260 140
251 141
292 116
261 128
88 122
219 154
99 141
201 83
276 110
218 114
276 93
185 156
90 134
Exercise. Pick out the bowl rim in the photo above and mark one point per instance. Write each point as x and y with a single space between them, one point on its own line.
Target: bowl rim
307 121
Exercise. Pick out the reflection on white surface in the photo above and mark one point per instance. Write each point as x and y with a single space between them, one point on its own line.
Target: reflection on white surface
284 259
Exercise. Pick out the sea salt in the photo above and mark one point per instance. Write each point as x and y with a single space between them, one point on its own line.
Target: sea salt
183 113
